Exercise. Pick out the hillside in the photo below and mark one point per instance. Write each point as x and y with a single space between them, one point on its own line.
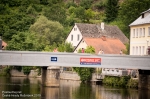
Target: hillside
20 18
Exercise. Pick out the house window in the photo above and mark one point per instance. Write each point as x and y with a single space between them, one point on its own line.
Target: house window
136 32
133 33
136 50
133 51
71 37
140 32
143 32
148 31
143 48
139 50
78 37
75 29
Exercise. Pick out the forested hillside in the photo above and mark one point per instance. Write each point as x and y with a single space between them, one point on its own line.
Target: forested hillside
44 24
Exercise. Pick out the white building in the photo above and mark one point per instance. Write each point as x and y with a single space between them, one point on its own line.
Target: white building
140 34
81 30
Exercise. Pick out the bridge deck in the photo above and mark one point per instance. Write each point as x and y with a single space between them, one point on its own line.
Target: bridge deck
29 58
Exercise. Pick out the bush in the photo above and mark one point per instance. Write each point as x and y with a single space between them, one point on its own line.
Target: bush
26 70
132 83
116 81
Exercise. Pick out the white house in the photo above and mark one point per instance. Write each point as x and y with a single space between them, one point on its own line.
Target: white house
140 34
81 30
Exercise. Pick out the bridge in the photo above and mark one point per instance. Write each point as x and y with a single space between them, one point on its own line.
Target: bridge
57 59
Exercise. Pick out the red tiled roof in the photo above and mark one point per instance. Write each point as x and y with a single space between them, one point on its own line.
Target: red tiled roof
108 45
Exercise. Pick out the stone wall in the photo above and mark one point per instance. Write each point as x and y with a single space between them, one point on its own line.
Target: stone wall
69 75
16 73
74 76
66 75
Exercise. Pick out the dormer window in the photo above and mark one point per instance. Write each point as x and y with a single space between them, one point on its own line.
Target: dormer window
142 15
75 29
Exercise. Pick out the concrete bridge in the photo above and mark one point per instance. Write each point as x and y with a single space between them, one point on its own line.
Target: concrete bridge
46 59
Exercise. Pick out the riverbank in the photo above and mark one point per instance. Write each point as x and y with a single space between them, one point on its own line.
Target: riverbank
123 81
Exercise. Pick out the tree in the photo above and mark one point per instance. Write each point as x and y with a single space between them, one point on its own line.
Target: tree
56 13
111 10
83 15
130 10
23 41
65 47
47 31
86 3
85 73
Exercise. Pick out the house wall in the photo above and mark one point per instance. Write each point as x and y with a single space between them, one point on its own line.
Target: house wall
82 44
139 41
75 32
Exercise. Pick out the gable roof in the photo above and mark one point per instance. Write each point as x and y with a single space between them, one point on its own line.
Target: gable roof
95 31
108 45
140 20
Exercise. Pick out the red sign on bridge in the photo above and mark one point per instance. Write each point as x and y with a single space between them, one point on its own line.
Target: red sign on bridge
90 61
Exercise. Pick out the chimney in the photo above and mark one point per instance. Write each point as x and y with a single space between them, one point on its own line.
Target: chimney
103 38
102 25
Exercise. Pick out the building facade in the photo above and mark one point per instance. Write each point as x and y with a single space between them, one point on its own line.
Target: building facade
140 34
82 30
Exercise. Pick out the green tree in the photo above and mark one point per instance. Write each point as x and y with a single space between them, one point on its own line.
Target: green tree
111 10
130 10
23 41
85 73
65 47
14 21
47 31
86 3
55 12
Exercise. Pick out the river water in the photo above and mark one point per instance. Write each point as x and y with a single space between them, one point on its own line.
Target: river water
30 88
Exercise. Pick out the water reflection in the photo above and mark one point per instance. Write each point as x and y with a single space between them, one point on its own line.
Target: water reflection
67 90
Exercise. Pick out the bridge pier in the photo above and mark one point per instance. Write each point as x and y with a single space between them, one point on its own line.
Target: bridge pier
144 79
50 76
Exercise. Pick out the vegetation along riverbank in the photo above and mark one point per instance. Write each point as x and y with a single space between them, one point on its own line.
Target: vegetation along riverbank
124 81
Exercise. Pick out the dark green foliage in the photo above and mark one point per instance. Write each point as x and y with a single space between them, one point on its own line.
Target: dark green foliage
86 3
69 4
100 4
24 41
14 22
7 70
116 81
84 73
56 13
133 83
26 69
19 68
111 10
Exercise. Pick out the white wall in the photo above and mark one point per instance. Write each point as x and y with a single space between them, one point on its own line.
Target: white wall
81 45
138 40
75 32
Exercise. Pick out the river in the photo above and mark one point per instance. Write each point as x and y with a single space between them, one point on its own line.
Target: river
30 88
